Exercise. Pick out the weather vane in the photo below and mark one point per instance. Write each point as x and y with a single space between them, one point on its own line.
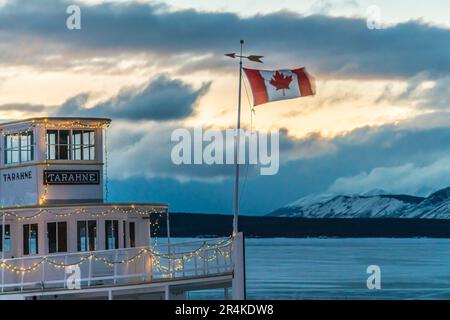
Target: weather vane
253 58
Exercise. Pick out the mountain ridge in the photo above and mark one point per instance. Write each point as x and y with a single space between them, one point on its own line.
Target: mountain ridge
372 204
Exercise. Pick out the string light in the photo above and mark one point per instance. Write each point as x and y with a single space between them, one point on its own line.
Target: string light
15 133
58 124
55 125
178 258
113 210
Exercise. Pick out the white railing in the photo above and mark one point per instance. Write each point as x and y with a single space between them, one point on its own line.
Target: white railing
116 267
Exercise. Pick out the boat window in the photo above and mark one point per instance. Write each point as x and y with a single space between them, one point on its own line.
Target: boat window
57 237
83 145
51 144
63 144
7 241
111 234
18 147
132 235
87 235
30 239
58 144
70 144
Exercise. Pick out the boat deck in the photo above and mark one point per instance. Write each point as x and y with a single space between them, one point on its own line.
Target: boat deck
179 267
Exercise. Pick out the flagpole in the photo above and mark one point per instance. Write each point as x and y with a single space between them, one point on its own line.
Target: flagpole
238 283
236 153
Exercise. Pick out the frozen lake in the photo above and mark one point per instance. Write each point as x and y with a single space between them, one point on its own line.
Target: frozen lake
281 268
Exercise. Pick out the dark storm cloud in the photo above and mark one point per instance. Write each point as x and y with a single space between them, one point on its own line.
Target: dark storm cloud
330 45
161 99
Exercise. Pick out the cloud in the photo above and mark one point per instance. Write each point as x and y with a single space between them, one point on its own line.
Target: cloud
311 146
329 45
438 96
145 151
23 107
161 99
423 90
328 7
408 178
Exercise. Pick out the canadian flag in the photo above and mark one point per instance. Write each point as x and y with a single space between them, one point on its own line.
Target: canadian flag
276 85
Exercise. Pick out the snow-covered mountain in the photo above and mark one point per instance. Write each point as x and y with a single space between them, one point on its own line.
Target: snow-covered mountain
373 204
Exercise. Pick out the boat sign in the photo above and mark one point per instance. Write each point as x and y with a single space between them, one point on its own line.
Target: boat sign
71 177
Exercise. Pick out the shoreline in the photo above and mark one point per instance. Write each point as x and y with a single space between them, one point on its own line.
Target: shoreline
184 225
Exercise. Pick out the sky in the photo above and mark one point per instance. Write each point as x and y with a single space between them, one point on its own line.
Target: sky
379 119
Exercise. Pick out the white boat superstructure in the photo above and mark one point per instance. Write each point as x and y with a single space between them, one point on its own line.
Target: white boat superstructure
158 272
60 239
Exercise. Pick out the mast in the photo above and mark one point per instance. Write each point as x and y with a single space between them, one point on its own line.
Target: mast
253 58
236 153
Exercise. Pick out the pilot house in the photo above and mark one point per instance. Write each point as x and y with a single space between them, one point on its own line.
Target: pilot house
52 190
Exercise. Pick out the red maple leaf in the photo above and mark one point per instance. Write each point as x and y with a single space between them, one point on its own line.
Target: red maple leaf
280 82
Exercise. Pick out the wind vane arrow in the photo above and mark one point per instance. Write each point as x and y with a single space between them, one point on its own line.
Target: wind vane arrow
231 55
253 58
